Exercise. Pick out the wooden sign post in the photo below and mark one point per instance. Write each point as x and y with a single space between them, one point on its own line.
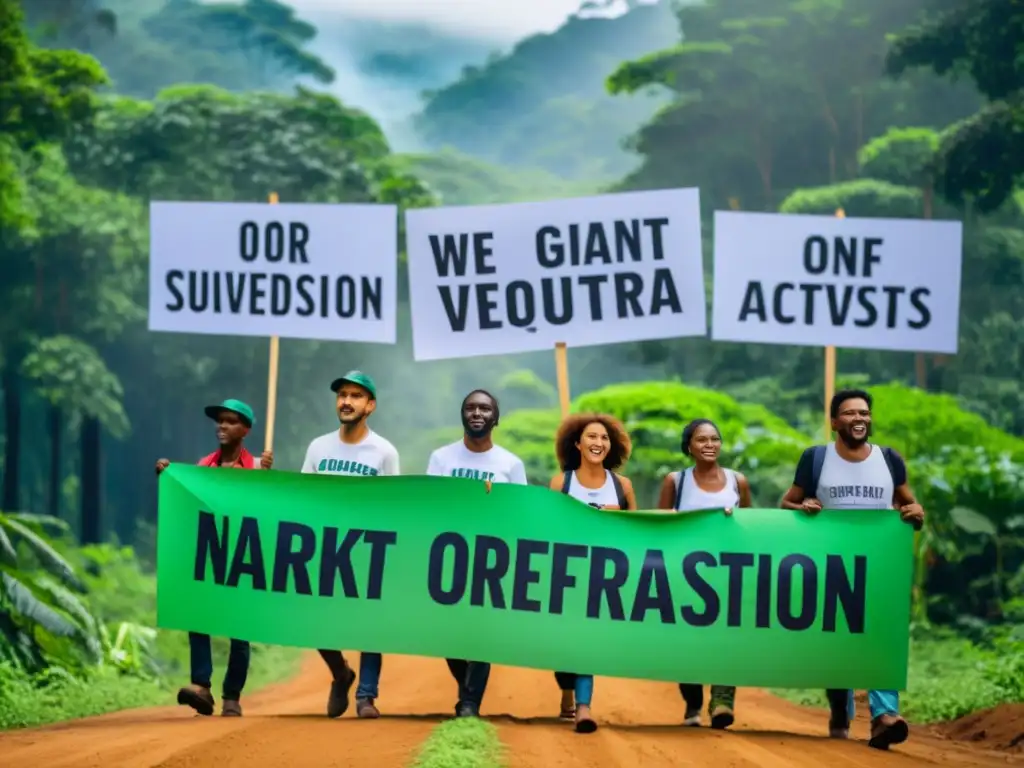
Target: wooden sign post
562 373
830 371
268 439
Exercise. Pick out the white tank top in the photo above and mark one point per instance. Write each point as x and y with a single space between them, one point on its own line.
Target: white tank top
694 497
855 484
604 496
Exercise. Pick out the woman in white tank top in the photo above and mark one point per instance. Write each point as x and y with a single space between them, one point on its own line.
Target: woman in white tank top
705 485
590 447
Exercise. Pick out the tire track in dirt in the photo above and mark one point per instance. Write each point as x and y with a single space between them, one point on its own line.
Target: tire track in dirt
285 725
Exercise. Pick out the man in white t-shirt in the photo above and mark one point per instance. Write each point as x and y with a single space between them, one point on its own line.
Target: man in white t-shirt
354 449
476 457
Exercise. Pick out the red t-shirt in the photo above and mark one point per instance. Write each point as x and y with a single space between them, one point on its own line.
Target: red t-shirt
245 460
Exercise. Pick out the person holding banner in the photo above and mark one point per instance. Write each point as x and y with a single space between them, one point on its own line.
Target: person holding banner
706 485
353 449
589 448
852 473
476 457
234 420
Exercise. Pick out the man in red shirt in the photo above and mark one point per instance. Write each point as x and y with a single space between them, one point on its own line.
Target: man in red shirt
234 420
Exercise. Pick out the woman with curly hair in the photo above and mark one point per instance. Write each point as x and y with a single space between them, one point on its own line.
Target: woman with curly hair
590 447
705 485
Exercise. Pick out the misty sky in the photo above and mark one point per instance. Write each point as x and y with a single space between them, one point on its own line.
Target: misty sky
499 20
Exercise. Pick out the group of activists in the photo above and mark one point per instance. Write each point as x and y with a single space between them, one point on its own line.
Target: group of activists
849 473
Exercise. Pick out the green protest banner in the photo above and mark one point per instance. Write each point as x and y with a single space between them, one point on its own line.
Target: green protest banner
528 577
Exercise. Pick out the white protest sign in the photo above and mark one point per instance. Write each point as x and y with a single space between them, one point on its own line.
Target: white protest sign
887 284
501 279
303 271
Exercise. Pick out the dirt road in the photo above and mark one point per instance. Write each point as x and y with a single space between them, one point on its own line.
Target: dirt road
285 726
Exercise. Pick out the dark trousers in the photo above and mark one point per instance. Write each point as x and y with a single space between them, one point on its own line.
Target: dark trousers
335 662
566 680
472 677
693 695
202 664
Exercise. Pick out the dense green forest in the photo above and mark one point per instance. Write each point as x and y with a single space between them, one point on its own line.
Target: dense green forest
910 109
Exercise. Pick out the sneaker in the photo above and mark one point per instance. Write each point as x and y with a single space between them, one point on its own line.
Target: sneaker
721 717
230 708
197 697
337 702
366 709
692 718
584 722
887 730
467 709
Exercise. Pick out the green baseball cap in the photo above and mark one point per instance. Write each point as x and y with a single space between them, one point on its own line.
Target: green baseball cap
235 406
358 378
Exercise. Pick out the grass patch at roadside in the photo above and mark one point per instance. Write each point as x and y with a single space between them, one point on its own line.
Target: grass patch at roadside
122 589
949 676
55 695
466 742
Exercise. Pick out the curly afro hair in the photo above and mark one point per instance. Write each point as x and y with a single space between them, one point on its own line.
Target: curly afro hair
571 430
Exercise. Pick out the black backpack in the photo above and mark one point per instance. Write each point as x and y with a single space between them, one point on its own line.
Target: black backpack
619 493
818 460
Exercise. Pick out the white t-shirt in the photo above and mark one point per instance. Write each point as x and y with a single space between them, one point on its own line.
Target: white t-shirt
497 465
374 455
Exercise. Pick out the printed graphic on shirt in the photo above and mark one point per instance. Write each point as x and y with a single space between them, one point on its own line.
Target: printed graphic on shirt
372 456
474 474
871 492
345 467
497 464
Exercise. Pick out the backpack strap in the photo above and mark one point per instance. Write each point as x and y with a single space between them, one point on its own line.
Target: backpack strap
566 480
887 455
620 492
817 462
680 478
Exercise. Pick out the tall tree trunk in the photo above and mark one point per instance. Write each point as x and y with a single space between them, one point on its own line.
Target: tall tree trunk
91 481
56 433
12 444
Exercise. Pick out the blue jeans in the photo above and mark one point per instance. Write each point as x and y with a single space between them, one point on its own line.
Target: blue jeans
472 678
879 702
369 675
201 661
581 685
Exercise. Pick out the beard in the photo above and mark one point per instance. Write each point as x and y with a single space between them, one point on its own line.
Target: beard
846 435
484 431
350 418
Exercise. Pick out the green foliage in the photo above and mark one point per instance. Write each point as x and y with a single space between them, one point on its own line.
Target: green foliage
465 742
923 424
147 45
305 146
72 376
542 104
458 179
770 98
901 156
863 197
980 156
41 620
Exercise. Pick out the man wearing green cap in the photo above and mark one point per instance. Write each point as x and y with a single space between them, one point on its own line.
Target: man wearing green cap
354 449
234 420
